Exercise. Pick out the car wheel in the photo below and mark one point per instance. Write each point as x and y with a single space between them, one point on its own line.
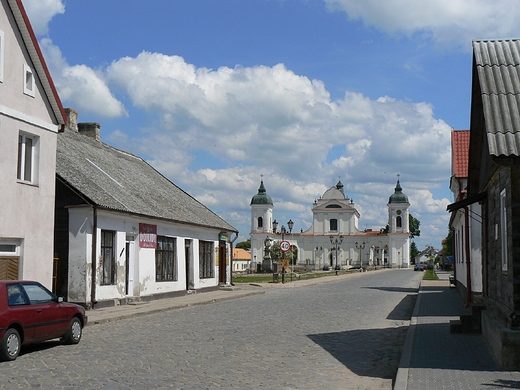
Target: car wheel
11 344
73 335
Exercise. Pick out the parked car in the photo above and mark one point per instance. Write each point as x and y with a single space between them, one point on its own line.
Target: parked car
418 267
30 313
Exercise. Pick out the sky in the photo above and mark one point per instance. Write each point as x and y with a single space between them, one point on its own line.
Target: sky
218 95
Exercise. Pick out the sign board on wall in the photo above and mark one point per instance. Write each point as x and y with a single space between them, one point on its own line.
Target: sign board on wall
147 236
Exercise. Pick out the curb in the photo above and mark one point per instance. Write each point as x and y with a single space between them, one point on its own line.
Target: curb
175 306
401 379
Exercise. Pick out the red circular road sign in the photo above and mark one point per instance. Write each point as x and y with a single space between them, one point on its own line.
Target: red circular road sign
285 246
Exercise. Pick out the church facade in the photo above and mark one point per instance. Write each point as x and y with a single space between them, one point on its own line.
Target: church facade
334 240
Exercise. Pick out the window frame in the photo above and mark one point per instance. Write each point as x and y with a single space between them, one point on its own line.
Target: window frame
108 259
335 221
27 168
503 230
206 259
166 259
29 82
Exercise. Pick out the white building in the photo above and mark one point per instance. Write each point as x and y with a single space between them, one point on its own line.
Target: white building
125 232
334 239
465 223
31 115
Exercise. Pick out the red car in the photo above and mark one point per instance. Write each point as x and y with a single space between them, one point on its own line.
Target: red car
30 313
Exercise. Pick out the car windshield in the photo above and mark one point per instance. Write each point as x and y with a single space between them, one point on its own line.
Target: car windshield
38 294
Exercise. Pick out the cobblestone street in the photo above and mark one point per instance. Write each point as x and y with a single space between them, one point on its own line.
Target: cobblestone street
339 335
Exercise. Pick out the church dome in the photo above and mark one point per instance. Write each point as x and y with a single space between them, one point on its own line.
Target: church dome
398 196
261 197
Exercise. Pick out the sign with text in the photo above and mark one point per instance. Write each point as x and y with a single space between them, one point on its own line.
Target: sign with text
147 236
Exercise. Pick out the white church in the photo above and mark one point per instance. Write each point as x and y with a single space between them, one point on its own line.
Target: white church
334 241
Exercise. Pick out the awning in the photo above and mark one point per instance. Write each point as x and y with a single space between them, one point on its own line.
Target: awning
466 202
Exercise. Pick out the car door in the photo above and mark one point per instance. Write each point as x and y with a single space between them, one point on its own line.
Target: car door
20 310
51 321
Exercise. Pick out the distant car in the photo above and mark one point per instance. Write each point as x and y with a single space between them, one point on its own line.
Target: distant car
418 267
30 313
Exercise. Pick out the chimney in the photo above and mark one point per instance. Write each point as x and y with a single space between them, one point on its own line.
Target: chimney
72 119
90 129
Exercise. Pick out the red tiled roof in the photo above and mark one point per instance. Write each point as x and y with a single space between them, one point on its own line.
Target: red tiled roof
460 152
241 254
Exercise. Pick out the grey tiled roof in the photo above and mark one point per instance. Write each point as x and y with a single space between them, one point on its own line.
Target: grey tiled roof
114 179
498 69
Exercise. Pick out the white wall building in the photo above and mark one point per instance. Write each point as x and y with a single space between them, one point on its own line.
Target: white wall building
465 223
31 115
334 239
125 232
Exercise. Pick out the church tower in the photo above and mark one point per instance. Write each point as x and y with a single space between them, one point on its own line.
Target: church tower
261 224
398 214
261 211
399 228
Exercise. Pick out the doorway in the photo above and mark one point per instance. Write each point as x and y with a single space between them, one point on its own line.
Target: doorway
188 255
129 266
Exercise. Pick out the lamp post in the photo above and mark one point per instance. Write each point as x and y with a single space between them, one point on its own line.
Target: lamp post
283 246
360 247
336 242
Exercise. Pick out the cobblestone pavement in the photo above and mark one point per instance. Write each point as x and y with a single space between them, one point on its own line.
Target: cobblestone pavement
339 335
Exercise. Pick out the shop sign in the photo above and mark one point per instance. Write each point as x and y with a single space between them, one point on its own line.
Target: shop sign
147 236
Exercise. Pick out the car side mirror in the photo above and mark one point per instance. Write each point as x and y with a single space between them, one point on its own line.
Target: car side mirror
60 299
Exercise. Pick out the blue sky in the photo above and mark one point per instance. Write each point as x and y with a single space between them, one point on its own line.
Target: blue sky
215 94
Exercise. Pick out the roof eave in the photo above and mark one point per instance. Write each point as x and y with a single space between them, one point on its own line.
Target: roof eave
31 43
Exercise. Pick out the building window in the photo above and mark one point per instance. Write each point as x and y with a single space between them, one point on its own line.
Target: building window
1 56
260 222
333 225
108 258
398 222
166 259
206 263
503 229
28 81
27 158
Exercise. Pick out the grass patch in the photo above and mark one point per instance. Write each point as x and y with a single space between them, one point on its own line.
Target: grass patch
430 274
260 278
253 278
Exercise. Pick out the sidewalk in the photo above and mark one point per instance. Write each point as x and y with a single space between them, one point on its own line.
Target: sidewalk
114 313
434 358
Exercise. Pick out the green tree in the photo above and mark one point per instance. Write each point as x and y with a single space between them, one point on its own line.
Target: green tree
414 224
413 252
277 254
244 245
447 244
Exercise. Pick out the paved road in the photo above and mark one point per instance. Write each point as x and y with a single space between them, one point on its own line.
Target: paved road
339 335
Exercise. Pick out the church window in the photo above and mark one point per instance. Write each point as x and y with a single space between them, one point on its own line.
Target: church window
260 222
333 224
398 222
333 206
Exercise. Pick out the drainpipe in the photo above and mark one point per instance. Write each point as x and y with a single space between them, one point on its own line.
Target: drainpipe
231 257
94 261
467 249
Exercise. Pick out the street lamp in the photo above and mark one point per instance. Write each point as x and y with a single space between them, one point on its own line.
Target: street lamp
360 247
336 242
283 231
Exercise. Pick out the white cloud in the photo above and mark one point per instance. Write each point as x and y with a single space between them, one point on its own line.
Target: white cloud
41 12
242 122
448 22
80 86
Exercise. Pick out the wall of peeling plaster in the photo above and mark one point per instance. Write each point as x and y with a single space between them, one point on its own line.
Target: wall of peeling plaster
127 228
